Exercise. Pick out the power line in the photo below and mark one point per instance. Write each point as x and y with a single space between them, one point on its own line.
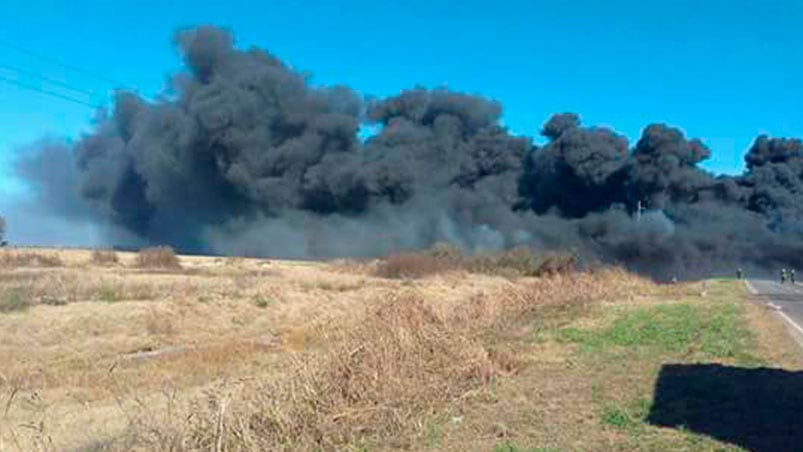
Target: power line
57 62
31 87
47 79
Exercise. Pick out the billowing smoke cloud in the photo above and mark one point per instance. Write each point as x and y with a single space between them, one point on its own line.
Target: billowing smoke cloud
245 156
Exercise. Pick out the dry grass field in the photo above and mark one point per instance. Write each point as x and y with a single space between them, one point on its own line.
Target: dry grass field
119 351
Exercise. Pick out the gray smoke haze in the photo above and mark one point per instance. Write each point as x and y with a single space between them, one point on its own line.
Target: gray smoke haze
245 156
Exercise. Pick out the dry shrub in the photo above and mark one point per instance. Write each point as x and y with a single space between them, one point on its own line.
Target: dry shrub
521 261
442 257
445 251
413 265
554 264
569 291
104 257
15 259
234 261
158 257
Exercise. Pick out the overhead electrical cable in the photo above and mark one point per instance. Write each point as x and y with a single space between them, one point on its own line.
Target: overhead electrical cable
32 87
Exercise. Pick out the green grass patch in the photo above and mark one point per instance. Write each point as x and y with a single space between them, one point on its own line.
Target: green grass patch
705 329
108 294
619 418
512 447
671 327
13 301
641 340
434 435
629 417
262 302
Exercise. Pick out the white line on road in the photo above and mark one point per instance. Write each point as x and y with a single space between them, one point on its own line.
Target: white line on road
778 310
791 322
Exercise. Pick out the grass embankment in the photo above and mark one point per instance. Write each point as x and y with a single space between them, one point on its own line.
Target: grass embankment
675 371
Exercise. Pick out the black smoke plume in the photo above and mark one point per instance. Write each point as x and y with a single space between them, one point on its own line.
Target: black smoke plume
243 155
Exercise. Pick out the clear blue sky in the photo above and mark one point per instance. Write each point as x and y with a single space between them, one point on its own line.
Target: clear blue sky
722 70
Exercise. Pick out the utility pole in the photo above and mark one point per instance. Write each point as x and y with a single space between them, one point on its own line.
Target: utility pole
639 210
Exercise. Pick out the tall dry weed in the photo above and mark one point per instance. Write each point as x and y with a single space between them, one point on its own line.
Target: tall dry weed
104 257
158 257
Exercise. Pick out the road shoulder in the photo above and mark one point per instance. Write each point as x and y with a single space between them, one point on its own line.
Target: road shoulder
773 333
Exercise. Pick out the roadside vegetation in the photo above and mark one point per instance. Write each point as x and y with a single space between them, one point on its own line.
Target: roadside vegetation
444 257
481 354
619 353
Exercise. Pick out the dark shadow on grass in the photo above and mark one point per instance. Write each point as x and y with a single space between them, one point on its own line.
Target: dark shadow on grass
758 409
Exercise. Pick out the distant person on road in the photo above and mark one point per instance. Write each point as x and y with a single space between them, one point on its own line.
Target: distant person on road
783 276
739 273
792 276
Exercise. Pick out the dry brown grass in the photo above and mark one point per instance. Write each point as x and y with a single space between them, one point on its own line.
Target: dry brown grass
19 259
334 359
521 262
62 286
402 362
442 258
57 340
413 265
337 357
158 257
398 367
104 257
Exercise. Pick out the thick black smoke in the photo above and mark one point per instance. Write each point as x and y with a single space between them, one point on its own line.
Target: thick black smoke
244 155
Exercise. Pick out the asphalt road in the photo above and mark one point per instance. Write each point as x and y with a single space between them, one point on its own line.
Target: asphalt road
786 298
